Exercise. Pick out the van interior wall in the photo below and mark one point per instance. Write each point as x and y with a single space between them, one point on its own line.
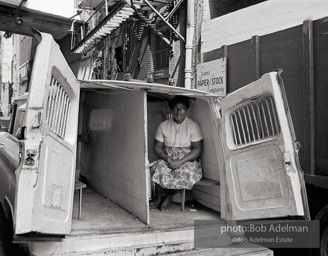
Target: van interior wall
212 158
156 113
113 161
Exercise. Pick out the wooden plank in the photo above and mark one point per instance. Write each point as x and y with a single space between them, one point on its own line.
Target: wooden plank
224 51
207 182
213 55
308 82
241 65
316 180
256 49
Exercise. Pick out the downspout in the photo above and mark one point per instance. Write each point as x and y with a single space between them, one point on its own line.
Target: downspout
189 40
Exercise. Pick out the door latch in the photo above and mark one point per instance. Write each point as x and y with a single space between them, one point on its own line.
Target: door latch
37 121
288 163
30 153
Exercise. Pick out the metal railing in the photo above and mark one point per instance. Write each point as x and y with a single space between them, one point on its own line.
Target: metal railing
94 19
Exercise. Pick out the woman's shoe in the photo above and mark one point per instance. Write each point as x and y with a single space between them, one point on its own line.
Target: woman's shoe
154 204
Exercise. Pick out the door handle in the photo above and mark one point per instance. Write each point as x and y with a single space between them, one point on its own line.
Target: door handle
2 143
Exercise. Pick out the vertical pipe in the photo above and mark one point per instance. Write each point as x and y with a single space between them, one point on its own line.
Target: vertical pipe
189 41
256 49
106 7
308 89
311 70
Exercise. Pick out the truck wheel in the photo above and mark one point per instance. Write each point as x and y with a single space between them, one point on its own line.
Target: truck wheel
324 242
322 216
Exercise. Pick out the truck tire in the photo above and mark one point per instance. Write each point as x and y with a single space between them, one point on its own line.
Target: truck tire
322 216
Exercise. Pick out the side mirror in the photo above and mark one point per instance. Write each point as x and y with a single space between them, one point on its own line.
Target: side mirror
21 133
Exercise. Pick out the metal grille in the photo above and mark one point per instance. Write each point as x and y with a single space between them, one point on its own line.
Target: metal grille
57 108
255 122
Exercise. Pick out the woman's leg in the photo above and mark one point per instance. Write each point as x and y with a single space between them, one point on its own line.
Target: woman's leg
167 199
159 191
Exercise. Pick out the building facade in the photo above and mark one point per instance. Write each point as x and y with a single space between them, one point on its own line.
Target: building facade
6 75
147 41
150 44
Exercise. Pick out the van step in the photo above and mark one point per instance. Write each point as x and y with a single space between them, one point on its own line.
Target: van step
146 242
176 250
232 250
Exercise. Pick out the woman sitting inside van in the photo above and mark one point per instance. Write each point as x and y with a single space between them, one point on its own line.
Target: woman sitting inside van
178 145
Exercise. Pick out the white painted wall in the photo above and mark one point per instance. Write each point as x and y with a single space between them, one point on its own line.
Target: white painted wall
7 55
63 8
260 19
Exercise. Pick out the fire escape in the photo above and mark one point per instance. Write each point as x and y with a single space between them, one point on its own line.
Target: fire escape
107 15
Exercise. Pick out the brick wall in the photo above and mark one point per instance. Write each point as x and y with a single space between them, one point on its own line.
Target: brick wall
25 49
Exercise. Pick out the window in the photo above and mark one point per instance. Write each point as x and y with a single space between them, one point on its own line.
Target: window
162 51
119 58
58 108
256 121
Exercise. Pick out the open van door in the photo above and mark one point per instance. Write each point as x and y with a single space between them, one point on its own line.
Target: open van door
45 180
262 174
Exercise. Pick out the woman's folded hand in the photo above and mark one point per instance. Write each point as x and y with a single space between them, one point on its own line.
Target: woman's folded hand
175 164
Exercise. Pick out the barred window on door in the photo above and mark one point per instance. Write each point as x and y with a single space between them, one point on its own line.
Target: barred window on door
57 108
256 121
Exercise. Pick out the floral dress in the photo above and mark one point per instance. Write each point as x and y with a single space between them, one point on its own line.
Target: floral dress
177 140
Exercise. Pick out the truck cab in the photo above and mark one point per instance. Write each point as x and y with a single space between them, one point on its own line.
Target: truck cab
250 150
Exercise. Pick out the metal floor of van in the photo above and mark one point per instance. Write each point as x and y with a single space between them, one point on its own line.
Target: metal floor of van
100 215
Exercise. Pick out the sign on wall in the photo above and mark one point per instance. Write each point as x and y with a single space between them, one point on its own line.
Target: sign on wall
212 76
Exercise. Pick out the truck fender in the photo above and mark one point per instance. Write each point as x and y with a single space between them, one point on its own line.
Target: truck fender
9 211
